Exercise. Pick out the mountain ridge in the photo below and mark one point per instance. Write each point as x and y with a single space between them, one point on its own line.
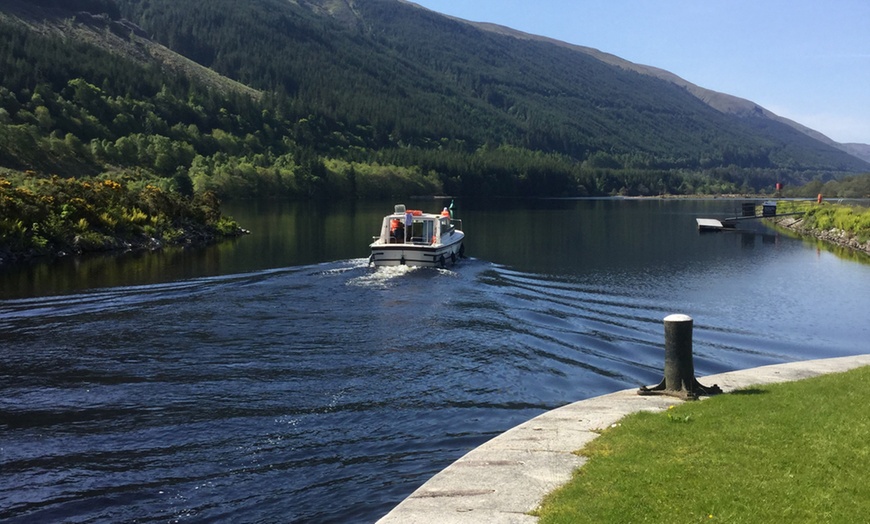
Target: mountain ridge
722 102
114 35
348 13
718 100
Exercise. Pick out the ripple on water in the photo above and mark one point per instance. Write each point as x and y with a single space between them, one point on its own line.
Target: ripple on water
254 395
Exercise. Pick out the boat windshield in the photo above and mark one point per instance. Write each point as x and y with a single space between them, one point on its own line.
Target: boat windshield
422 231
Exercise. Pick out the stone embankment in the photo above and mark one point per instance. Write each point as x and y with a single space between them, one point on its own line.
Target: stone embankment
834 236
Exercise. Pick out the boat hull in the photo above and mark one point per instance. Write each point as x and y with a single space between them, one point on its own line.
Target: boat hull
438 255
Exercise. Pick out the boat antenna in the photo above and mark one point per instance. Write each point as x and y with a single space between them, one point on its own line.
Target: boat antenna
451 209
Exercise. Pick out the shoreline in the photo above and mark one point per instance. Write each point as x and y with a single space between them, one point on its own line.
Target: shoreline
837 237
505 479
193 237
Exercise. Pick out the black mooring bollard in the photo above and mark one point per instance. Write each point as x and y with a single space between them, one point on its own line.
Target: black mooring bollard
679 380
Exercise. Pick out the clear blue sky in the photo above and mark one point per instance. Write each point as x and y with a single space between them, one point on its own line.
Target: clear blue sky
807 60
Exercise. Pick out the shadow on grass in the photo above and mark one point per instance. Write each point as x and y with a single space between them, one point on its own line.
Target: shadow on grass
750 391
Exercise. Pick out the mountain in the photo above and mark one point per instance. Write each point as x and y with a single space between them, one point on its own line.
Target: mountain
98 23
861 151
451 77
367 97
723 102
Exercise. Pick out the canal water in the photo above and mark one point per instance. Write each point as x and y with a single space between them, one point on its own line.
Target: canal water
279 378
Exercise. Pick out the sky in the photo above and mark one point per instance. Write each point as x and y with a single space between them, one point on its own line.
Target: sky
806 60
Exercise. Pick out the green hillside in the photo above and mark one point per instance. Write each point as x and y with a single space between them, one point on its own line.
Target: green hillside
415 76
365 99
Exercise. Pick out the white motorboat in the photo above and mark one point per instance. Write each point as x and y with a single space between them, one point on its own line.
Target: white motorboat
410 237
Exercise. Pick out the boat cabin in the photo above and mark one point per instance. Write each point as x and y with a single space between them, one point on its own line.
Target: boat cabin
411 226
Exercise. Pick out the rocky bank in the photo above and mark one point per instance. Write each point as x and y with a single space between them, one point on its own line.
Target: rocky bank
834 236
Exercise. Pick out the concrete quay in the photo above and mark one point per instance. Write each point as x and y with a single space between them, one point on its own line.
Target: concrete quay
506 478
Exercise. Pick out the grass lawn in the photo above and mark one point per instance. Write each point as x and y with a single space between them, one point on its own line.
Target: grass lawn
793 452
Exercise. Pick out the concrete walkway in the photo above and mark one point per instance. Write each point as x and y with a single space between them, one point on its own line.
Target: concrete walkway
507 477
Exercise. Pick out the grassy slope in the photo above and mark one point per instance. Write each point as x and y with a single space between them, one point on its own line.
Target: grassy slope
840 224
794 452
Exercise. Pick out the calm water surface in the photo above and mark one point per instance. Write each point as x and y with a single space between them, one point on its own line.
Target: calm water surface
278 378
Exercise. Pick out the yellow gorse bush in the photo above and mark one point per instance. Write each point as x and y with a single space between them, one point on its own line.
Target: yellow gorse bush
39 215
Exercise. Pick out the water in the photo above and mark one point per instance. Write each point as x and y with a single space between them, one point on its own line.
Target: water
278 378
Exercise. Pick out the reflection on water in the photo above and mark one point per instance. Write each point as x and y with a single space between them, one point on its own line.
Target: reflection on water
279 378
546 236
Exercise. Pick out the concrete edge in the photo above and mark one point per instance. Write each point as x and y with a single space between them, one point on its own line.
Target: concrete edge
507 477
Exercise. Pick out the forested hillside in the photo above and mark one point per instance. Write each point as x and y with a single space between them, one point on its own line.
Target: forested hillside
414 76
357 100
87 167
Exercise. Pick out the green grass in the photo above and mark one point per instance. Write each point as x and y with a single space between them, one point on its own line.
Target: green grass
851 218
794 452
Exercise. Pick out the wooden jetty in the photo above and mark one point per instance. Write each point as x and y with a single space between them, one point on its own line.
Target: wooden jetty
712 224
749 212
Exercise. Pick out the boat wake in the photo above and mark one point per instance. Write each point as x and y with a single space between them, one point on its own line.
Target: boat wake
385 277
